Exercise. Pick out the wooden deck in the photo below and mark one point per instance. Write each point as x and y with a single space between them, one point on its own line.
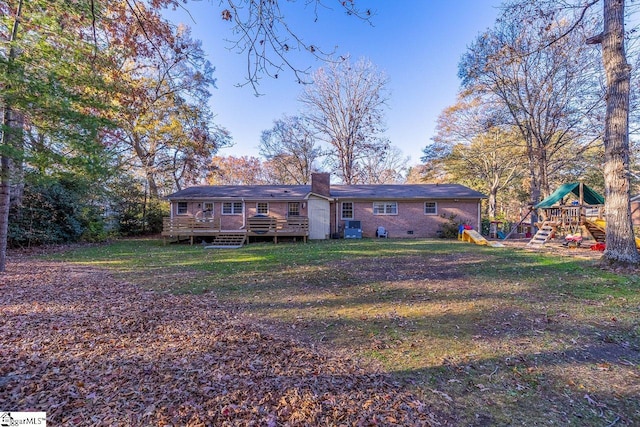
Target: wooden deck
569 218
190 228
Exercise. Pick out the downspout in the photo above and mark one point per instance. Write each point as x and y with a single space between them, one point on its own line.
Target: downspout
479 216
244 214
336 229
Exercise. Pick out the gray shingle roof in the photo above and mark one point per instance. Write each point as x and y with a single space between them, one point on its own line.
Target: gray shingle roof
298 192
407 191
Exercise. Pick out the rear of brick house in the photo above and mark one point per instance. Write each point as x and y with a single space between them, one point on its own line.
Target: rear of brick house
405 211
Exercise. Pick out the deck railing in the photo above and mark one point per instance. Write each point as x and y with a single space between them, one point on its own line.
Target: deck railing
189 226
292 226
180 226
571 215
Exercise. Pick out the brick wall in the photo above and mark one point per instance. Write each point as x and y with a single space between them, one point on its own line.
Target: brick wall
410 217
411 221
320 184
277 209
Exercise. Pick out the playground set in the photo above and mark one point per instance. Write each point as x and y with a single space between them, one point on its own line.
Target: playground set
574 211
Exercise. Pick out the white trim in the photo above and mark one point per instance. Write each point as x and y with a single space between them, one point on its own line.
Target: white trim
386 204
186 212
320 196
424 208
342 211
258 211
289 208
233 208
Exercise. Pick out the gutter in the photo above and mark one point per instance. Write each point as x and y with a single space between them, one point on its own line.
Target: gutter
336 228
244 215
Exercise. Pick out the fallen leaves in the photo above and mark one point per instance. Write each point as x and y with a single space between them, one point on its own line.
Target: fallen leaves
90 350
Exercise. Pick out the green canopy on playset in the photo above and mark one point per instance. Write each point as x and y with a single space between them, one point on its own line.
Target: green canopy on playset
589 195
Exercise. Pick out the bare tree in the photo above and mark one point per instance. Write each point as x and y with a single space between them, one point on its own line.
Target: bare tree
390 167
291 151
262 33
549 91
345 107
416 175
480 148
232 170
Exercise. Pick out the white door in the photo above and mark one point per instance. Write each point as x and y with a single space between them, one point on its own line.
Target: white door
319 218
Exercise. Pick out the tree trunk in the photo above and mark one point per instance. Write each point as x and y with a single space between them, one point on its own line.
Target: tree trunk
4 198
535 199
493 197
16 190
543 173
620 242
153 185
7 141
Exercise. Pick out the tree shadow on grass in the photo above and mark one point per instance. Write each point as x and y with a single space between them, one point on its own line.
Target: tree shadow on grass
592 385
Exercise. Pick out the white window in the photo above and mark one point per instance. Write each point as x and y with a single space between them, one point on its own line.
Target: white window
385 208
262 208
231 208
430 208
294 208
347 210
183 208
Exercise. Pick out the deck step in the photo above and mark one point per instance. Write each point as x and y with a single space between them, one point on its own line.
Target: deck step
227 241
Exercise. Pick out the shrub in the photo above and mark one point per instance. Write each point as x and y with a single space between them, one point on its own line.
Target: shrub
449 229
49 213
134 213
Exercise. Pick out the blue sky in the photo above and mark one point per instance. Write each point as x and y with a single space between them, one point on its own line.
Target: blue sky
417 43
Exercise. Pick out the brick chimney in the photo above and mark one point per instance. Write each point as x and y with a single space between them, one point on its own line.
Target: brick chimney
320 184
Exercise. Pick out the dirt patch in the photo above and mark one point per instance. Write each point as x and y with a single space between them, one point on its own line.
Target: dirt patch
406 268
90 350
556 248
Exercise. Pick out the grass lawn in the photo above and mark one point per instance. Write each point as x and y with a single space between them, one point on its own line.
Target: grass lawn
494 336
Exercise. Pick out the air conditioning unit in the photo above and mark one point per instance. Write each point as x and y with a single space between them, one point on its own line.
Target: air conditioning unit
352 230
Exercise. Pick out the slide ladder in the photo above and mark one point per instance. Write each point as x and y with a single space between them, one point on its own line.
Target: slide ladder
598 228
543 235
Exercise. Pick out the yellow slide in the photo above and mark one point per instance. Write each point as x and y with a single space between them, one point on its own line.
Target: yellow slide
601 224
472 236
